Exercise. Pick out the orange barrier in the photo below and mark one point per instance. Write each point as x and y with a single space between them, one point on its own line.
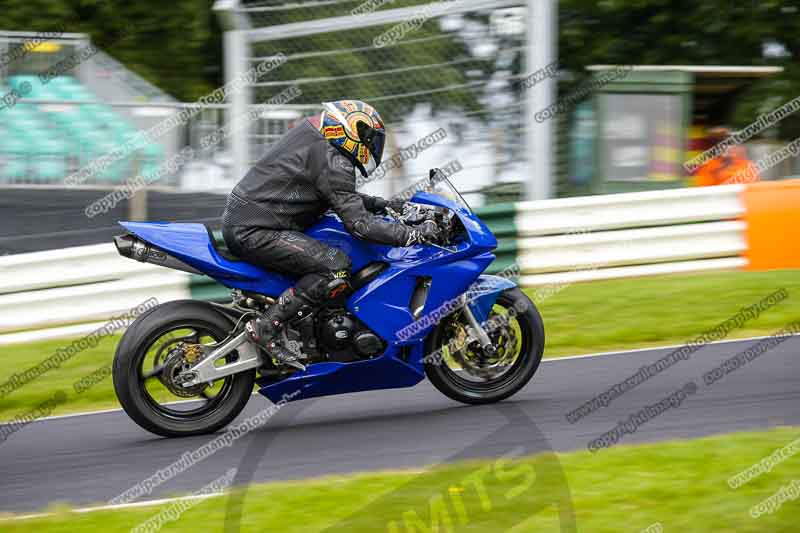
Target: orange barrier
772 214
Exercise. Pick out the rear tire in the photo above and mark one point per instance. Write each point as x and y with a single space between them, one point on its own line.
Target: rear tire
128 371
446 380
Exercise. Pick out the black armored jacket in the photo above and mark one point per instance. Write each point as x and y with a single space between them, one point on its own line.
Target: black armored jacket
300 177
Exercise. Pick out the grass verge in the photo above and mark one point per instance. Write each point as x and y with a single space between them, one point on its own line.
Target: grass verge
581 318
681 485
664 310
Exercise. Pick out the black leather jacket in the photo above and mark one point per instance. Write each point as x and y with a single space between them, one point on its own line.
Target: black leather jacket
300 177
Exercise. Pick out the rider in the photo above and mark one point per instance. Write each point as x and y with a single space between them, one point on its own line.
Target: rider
306 172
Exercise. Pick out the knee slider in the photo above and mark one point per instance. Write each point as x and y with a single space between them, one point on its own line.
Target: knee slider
320 287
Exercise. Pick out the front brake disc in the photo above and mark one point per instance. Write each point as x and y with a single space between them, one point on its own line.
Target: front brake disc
474 361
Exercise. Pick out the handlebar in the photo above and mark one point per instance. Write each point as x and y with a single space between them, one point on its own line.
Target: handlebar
415 214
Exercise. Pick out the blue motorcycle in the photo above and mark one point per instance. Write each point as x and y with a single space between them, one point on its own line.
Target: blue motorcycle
188 367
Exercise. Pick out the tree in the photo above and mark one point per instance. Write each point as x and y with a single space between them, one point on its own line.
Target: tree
175 45
690 32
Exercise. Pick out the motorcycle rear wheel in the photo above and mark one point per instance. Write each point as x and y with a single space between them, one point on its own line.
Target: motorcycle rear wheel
138 381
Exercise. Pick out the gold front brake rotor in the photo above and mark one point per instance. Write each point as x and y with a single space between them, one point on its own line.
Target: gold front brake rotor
469 355
458 346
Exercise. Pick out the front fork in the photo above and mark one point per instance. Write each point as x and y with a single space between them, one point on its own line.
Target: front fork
480 333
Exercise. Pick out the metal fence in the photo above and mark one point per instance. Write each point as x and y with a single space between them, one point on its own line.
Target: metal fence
452 64
448 76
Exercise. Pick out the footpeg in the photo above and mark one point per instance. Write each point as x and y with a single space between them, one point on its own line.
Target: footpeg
280 355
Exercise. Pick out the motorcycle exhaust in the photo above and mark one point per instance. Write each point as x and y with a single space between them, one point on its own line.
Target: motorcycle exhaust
134 248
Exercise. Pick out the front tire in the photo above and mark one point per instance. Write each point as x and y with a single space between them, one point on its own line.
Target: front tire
198 323
450 374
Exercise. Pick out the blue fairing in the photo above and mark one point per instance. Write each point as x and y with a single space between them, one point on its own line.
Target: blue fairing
382 305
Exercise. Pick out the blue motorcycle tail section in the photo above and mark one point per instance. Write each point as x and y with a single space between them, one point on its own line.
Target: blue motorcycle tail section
191 244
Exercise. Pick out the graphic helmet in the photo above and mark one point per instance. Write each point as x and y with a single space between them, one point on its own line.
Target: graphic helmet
357 130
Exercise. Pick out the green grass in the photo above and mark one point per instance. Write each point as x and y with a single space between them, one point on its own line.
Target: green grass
637 313
19 357
682 485
581 318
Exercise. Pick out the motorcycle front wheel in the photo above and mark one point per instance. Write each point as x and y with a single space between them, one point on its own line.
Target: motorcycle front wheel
458 367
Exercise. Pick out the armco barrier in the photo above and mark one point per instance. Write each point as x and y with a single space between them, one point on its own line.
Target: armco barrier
620 235
554 241
632 234
73 285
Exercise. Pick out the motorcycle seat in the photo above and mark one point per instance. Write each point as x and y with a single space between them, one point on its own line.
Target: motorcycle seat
218 242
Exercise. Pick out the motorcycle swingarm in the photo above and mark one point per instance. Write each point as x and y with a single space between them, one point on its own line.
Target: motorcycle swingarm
207 371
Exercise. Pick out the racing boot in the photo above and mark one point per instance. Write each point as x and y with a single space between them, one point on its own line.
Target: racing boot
266 329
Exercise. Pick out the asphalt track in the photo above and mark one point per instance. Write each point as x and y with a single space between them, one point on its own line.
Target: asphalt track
90 459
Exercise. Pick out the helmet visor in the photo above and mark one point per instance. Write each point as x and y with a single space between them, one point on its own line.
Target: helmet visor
375 141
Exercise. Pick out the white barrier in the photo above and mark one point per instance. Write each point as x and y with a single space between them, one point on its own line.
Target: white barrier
69 266
631 247
630 235
629 210
72 285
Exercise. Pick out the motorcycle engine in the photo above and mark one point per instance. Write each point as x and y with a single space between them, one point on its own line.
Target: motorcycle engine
344 339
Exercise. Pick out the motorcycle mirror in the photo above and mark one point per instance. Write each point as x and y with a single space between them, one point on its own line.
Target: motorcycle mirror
432 177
